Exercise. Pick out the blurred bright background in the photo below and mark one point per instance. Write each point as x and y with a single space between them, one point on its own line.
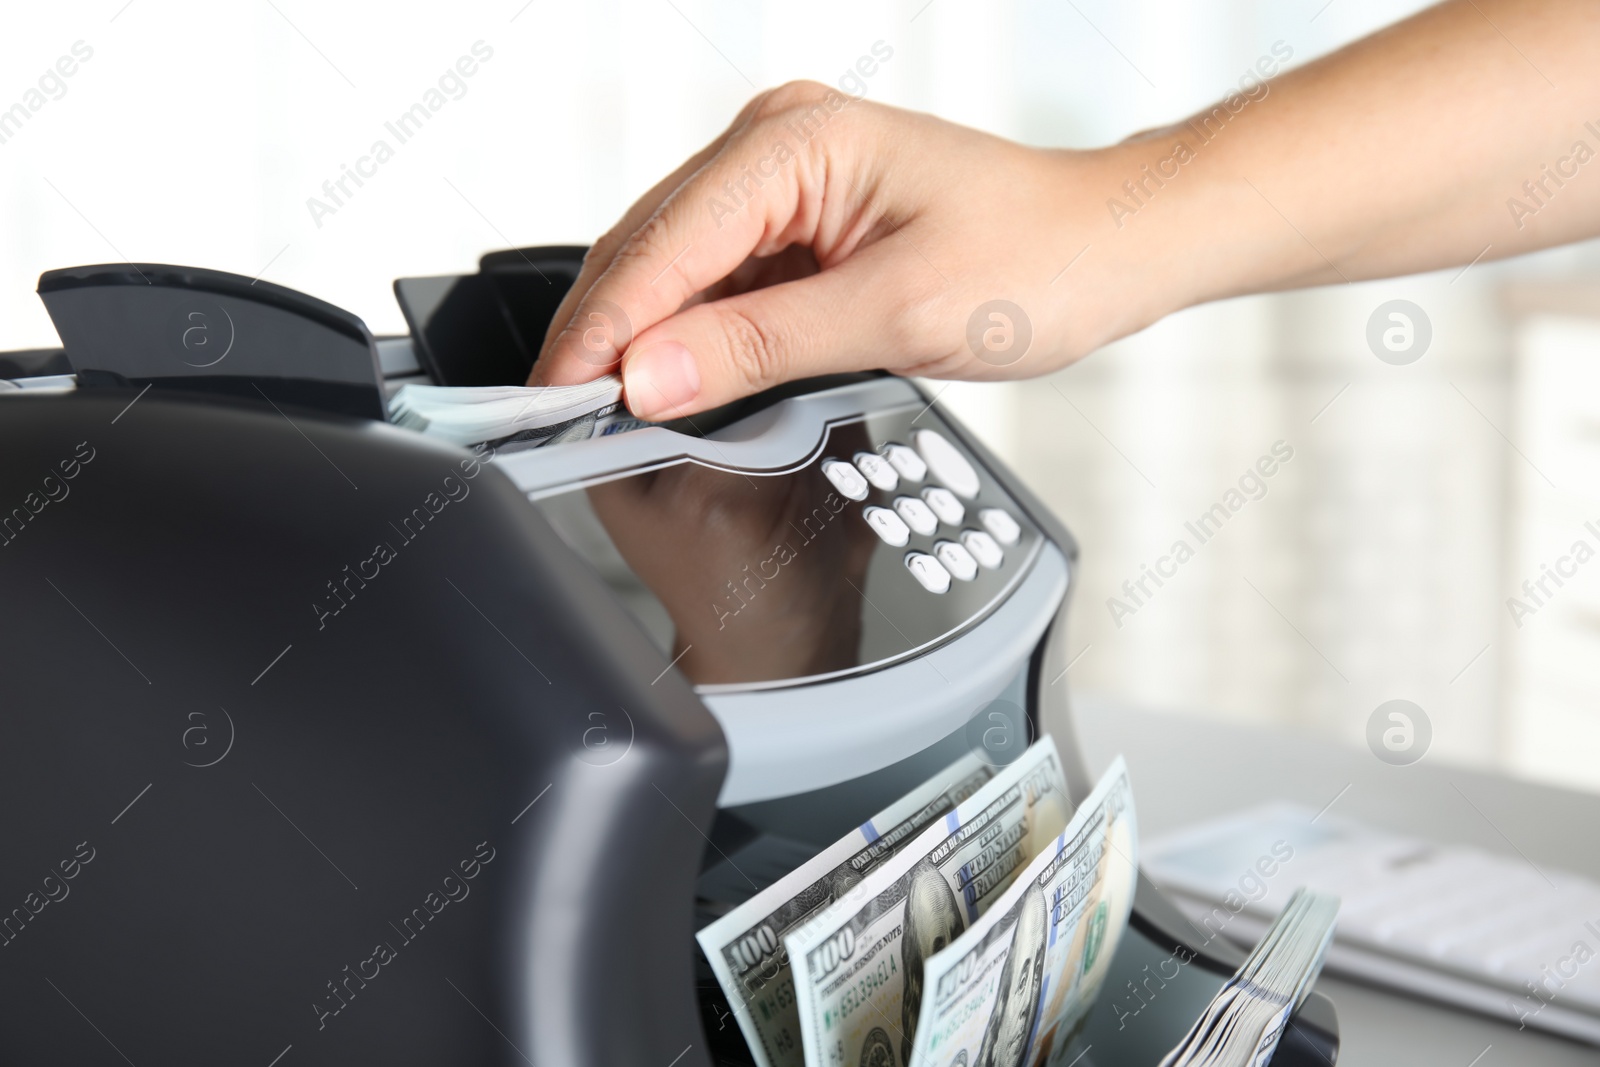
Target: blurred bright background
1377 566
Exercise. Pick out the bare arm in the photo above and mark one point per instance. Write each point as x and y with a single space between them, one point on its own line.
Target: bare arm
1461 129
822 233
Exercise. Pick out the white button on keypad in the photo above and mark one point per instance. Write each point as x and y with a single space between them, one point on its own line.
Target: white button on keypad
944 504
1001 524
906 461
928 571
887 525
918 515
983 548
947 464
957 560
845 478
877 470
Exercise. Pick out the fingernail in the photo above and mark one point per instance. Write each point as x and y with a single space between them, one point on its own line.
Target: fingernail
659 379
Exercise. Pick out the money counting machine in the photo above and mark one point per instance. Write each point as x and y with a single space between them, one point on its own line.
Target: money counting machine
327 743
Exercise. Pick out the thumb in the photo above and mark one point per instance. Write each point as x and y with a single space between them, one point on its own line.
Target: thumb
717 352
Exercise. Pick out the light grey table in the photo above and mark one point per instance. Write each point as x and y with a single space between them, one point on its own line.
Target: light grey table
1186 769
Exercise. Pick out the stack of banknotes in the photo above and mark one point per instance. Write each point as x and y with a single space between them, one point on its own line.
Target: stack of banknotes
513 414
973 921
1241 1026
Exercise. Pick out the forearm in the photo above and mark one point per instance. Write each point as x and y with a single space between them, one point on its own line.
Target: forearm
1467 132
1405 152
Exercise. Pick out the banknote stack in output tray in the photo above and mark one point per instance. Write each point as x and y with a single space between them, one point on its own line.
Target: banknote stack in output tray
1241 1026
973 921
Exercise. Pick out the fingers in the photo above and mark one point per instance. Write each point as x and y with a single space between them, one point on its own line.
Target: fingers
599 355
592 364
841 319
761 191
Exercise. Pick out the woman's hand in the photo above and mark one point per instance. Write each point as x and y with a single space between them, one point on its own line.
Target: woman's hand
822 233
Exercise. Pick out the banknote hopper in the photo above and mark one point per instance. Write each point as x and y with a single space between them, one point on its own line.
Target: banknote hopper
327 743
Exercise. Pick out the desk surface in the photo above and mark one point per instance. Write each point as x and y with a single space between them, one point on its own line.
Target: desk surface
1243 766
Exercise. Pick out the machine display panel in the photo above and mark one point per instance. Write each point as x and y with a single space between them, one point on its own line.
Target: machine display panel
887 541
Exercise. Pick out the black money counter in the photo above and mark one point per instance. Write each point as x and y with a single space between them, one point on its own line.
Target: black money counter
327 743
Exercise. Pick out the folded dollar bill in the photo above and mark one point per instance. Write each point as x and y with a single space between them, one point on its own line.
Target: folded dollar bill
1011 989
745 947
858 966
512 414
1242 1024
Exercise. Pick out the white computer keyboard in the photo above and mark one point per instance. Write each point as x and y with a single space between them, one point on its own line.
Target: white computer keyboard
1489 932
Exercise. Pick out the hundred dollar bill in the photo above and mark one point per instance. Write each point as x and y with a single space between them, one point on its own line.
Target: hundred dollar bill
745 947
533 416
1242 1024
858 965
1011 990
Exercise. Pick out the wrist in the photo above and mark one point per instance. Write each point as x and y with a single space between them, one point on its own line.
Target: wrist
1129 235
1168 225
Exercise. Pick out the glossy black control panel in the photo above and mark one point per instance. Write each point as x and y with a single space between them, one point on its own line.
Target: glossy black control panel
886 541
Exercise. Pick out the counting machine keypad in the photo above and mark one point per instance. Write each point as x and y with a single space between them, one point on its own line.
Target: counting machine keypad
933 511
889 509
